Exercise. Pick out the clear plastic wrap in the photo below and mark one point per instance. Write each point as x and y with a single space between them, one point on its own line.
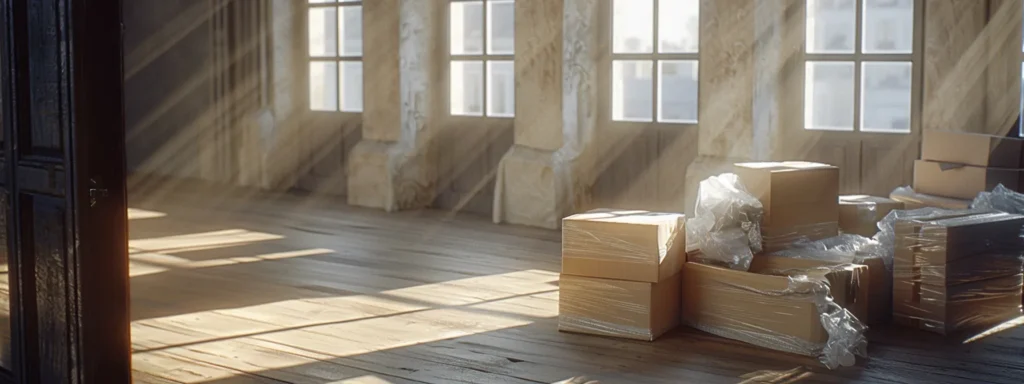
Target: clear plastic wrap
846 248
859 214
632 245
957 269
789 310
726 223
777 239
1000 199
617 308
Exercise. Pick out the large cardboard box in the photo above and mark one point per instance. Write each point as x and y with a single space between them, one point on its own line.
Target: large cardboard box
850 284
624 244
860 214
972 149
617 308
957 269
793 193
769 310
962 181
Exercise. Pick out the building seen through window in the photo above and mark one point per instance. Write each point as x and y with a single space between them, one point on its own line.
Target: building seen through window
482 47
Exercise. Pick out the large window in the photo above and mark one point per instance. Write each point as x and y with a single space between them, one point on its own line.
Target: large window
335 55
859 72
482 45
654 60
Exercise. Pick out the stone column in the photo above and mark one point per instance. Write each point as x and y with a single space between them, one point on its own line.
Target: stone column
393 167
1003 93
539 179
955 61
727 81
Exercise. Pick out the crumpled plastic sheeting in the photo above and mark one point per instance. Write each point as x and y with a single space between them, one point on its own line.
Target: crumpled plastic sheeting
845 248
845 332
726 225
1000 199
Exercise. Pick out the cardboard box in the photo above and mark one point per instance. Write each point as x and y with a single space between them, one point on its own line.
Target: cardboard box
914 200
972 149
860 214
793 193
850 290
770 311
624 244
776 239
964 307
961 181
879 290
617 308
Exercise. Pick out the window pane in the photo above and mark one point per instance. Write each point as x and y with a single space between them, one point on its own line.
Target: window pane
351 85
633 26
678 26
828 95
885 97
467 28
351 30
888 26
677 91
323 31
323 86
831 26
467 88
631 90
501 85
501 21
322 1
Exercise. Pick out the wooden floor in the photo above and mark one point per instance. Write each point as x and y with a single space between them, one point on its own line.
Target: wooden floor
244 289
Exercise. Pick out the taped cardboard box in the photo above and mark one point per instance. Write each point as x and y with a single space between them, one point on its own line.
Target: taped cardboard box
793 193
795 314
624 244
961 181
617 308
781 238
860 214
972 149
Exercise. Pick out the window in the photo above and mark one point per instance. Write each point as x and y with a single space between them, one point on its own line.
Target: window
1020 116
482 45
655 46
859 72
336 54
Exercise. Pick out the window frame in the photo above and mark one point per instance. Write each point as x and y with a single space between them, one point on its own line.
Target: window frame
608 57
338 58
858 58
483 57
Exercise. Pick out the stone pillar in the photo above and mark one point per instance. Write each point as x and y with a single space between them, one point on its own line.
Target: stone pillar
393 167
1003 93
727 81
955 61
539 179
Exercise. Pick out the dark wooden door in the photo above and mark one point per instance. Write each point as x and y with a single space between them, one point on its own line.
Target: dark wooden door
62 191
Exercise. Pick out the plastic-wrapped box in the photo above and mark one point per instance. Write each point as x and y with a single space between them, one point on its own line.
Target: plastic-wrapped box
628 245
957 269
618 308
860 214
778 307
782 238
912 199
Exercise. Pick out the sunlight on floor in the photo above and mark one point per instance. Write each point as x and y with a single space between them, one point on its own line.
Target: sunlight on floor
1013 323
252 339
139 214
199 241
362 380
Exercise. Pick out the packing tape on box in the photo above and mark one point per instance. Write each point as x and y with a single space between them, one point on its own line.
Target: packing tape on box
845 332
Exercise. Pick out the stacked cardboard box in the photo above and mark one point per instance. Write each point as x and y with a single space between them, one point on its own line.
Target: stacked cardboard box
958 270
800 199
860 214
960 165
768 307
620 273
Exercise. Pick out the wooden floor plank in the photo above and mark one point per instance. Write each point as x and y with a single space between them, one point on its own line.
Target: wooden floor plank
239 287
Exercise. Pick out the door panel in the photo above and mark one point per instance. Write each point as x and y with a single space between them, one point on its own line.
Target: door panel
63 191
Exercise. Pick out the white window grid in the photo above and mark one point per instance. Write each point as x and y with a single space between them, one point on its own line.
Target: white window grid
324 65
485 59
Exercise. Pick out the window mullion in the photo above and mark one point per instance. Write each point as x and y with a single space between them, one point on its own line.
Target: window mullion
857 75
655 65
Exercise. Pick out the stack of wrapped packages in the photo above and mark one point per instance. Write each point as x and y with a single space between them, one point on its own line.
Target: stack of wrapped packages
620 273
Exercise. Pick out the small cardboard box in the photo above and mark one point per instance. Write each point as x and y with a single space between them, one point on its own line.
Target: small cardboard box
972 149
860 214
879 290
624 244
962 181
762 309
617 308
793 192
